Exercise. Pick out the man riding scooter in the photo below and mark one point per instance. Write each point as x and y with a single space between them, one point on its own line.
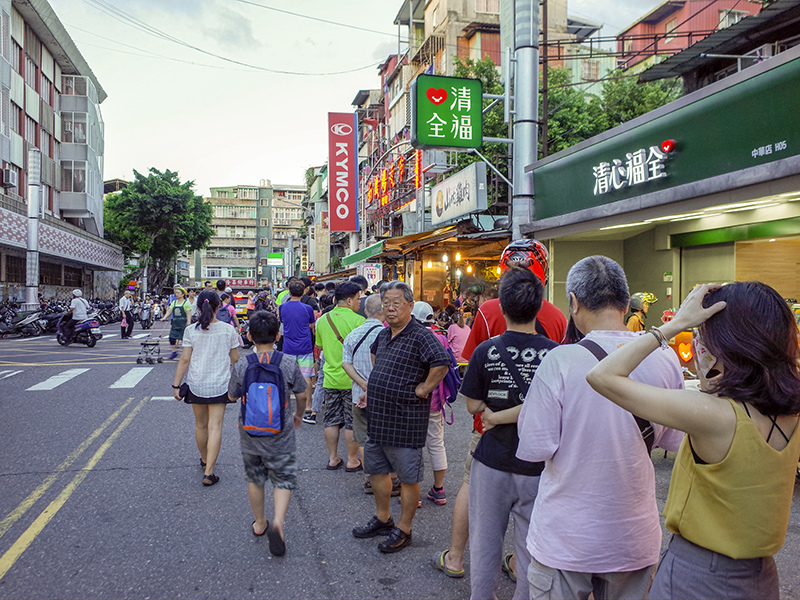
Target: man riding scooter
78 311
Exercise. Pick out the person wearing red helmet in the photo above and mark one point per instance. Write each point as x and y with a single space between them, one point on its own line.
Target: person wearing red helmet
489 322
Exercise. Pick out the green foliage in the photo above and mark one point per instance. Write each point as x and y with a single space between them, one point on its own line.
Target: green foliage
158 215
335 264
308 177
625 99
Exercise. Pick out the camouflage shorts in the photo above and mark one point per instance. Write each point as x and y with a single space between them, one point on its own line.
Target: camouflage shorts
281 470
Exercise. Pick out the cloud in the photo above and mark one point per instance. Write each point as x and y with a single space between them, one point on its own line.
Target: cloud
232 30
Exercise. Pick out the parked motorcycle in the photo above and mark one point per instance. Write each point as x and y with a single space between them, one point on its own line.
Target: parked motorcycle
24 324
146 315
86 332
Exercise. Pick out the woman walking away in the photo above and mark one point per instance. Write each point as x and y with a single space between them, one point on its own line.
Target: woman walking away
731 489
207 374
180 310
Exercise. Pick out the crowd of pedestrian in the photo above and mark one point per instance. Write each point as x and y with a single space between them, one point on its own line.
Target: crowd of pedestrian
566 414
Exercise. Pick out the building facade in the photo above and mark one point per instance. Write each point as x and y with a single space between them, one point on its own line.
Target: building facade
51 103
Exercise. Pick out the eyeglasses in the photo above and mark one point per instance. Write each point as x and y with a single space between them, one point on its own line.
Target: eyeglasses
394 305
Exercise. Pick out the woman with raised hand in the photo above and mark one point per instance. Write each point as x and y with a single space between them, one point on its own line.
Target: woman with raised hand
731 489
206 371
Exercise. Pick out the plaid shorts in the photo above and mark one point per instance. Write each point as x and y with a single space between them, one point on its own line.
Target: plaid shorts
338 408
305 362
281 470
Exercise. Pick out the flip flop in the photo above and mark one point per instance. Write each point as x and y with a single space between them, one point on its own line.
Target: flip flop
276 544
507 567
336 466
259 534
437 562
360 467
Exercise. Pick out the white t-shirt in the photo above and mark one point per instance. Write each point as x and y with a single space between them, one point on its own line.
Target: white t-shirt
210 367
80 306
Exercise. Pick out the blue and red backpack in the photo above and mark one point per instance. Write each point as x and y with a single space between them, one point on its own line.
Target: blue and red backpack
262 401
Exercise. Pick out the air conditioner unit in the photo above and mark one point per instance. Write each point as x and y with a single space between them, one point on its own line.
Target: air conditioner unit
9 178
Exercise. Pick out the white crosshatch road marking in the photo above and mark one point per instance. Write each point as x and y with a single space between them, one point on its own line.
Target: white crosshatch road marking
8 373
56 380
131 378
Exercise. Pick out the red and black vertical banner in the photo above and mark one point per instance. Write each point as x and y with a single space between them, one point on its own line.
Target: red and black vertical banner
343 171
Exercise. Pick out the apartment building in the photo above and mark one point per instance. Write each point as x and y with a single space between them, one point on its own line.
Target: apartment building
51 102
250 222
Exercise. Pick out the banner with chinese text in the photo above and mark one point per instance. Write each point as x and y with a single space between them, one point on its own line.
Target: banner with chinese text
446 112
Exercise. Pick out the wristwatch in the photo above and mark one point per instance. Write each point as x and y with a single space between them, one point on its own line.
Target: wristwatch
176 387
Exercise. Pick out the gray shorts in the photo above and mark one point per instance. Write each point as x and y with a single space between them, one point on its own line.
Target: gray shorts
338 408
281 470
405 462
359 425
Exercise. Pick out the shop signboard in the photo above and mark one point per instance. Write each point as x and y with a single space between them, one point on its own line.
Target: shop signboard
446 112
721 130
275 259
245 282
342 171
372 272
460 194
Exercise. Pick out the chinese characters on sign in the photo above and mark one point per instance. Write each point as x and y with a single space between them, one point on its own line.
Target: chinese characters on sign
446 112
639 167
768 149
240 282
386 182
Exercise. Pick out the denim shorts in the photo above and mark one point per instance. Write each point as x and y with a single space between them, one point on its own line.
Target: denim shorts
405 462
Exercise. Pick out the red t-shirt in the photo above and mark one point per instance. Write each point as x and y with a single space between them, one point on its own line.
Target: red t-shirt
489 322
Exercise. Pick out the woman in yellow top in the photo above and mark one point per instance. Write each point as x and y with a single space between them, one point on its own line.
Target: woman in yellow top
731 489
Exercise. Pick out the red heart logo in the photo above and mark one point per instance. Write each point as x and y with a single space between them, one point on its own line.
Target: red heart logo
685 350
436 96
668 145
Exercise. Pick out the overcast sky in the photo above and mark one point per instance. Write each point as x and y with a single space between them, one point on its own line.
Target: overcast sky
175 104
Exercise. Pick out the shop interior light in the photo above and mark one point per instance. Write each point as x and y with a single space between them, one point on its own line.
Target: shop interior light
444 258
430 264
458 256
772 240
730 210
624 225
696 216
458 273
498 271
469 268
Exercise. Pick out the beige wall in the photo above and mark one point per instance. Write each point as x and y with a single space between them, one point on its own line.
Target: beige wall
704 264
565 254
645 267
775 263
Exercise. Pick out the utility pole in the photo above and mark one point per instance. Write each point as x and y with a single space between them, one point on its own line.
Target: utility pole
32 257
526 96
545 84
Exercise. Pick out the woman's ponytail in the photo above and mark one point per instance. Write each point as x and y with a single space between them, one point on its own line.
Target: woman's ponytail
207 305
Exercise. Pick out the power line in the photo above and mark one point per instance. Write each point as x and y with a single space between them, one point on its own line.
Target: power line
136 23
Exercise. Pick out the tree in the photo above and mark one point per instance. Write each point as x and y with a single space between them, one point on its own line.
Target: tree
625 99
157 217
572 115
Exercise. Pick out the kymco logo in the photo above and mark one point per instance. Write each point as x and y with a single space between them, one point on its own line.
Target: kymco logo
342 129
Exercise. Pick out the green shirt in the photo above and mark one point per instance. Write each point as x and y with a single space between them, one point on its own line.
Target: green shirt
345 320
281 297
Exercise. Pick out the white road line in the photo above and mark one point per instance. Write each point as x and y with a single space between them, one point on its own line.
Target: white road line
8 373
109 335
56 380
163 398
139 335
131 378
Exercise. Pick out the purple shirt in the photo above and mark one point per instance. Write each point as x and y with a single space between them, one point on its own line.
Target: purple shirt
596 507
296 318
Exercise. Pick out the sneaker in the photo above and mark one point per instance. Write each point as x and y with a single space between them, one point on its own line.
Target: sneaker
374 527
396 541
310 418
437 496
172 356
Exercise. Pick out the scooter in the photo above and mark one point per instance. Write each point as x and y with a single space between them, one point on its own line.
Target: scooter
24 325
86 332
146 316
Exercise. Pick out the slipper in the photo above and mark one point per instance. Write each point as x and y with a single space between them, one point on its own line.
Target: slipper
507 567
259 534
360 467
336 466
437 562
276 544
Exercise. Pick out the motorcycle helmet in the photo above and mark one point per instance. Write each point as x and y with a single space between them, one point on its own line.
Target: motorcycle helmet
527 253
639 298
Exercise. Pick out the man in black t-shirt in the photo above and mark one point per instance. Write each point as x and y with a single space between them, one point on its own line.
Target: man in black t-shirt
310 294
495 384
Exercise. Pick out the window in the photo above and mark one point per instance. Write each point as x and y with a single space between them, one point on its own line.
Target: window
590 70
44 142
212 272
264 202
627 45
220 194
264 242
669 29
730 17
49 273
487 6
30 131
248 193
73 176
15 268
31 72
72 277
16 52
16 117
264 222
45 89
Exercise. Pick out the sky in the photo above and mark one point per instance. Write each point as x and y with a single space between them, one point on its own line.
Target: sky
233 92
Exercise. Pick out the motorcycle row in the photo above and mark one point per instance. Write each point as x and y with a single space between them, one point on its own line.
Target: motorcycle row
49 319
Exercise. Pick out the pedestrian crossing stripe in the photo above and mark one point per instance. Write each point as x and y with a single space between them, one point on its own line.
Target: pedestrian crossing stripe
8 373
131 378
57 380
127 381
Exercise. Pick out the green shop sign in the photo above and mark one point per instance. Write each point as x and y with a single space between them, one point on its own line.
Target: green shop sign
446 112
747 124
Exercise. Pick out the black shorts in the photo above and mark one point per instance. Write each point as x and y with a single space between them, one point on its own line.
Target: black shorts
193 399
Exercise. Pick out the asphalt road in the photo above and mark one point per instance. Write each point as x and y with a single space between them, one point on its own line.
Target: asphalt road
100 496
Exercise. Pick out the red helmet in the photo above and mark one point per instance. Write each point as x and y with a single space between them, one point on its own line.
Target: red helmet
527 253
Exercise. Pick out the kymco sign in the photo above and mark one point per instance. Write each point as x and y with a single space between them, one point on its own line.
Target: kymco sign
342 173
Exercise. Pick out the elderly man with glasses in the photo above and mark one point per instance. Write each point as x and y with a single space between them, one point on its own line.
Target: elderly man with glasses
409 362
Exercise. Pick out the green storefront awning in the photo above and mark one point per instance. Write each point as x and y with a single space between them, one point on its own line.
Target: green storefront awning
364 254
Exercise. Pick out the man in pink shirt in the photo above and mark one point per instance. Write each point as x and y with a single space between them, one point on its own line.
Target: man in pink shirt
595 525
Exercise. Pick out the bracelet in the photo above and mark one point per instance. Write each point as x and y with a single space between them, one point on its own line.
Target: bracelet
659 335
176 387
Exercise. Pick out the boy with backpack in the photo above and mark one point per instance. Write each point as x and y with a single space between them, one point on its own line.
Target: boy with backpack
264 382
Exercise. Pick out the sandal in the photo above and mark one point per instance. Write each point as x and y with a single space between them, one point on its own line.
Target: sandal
507 567
210 479
202 464
277 545
252 528
437 562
